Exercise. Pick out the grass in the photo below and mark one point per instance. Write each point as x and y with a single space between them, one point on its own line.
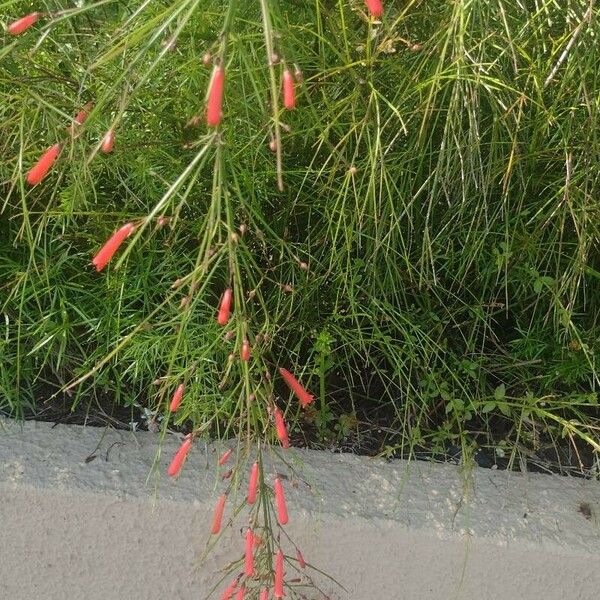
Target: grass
429 270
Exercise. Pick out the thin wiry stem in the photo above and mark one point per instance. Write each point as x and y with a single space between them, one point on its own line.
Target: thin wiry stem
268 34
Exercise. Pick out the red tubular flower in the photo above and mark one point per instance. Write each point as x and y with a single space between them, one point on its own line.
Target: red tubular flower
218 516
296 387
264 595
281 429
278 587
23 24
225 307
84 113
245 351
179 458
241 593
289 93
177 397
225 456
253 484
249 554
375 8
282 513
301 561
214 104
43 165
108 142
107 251
228 593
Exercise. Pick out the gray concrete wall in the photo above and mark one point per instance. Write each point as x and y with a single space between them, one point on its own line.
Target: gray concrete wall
109 529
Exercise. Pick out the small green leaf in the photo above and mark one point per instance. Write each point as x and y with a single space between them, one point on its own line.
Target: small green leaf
500 392
504 409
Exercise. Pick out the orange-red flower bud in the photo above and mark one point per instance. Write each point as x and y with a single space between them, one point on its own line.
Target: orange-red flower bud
108 142
43 165
282 513
23 24
245 351
278 587
179 458
214 105
218 516
252 485
107 251
303 396
249 554
281 429
375 8
225 307
289 93
177 397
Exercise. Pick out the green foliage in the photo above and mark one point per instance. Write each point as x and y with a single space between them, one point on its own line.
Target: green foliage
441 184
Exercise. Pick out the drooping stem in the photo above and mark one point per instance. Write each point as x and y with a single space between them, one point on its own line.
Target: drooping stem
268 32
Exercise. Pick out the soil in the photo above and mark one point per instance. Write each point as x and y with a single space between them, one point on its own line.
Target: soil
370 434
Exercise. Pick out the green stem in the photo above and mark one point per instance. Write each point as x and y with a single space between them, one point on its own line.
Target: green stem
268 31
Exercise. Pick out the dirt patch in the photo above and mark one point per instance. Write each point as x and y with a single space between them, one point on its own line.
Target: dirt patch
369 435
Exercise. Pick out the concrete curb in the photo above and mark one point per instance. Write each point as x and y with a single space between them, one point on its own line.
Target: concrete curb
418 531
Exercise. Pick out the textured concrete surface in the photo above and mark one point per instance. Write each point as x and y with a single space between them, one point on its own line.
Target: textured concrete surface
112 528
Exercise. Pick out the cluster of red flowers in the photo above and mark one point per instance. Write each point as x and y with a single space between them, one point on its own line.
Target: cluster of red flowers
214 102
214 112
42 167
252 541
224 312
223 316
213 116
